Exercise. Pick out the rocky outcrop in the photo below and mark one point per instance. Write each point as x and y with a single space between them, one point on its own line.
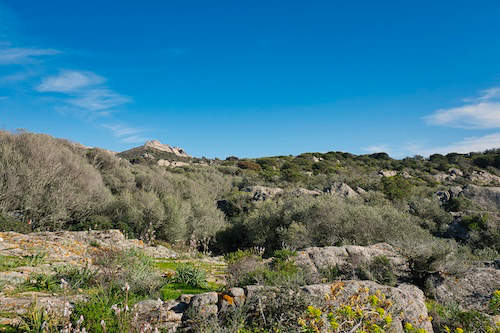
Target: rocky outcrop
408 304
408 301
387 173
482 177
73 247
262 193
155 144
347 258
485 196
305 192
450 176
471 289
172 164
445 195
342 190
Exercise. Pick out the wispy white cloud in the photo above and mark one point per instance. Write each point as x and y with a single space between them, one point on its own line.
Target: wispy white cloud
18 55
466 145
126 134
134 139
84 90
120 130
69 81
98 99
490 94
482 112
17 77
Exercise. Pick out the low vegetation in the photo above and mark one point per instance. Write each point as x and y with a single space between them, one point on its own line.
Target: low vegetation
211 206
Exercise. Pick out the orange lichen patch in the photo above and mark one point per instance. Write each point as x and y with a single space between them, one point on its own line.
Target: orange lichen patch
228 299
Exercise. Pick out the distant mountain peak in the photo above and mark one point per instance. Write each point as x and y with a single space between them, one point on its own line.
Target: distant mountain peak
155 144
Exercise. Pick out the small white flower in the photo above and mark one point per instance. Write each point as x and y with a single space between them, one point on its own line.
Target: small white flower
116 309
126 287
80 321
67 309
103 324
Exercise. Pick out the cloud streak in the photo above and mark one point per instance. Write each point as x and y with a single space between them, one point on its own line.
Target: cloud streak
482 112
84 90
70 81
19 55
126 134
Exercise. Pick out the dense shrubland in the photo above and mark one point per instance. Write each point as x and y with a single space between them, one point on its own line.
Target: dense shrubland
58 184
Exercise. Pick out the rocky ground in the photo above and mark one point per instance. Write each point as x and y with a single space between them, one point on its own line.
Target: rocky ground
23 256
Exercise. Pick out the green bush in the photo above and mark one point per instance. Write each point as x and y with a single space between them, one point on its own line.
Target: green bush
249 165
10 224
330 273
191 276
495 303
451 317
76 277
42 282
100 307
381 270
396 187
130 267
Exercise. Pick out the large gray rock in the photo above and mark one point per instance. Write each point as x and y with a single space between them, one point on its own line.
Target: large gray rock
342 190
261 193
387 173
472 289
303 192
484 178
73 247
348 257
485 196
166 316
408 301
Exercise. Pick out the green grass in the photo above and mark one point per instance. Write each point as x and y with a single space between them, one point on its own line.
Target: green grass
171 265
8 263
8 329
172 291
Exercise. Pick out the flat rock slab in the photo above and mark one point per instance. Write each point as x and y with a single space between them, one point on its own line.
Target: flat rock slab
472 289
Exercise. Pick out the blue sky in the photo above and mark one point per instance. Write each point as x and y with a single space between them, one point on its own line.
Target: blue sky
255 78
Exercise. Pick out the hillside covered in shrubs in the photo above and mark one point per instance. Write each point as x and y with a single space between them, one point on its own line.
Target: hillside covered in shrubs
436 214
314 199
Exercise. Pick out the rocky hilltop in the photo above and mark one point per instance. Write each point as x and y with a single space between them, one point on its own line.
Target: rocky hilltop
155 150
155 144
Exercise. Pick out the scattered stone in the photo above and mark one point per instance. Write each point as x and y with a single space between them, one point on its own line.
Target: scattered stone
341 189
406 175
262 193
303 192
454 172
171 164
484 178
387 173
